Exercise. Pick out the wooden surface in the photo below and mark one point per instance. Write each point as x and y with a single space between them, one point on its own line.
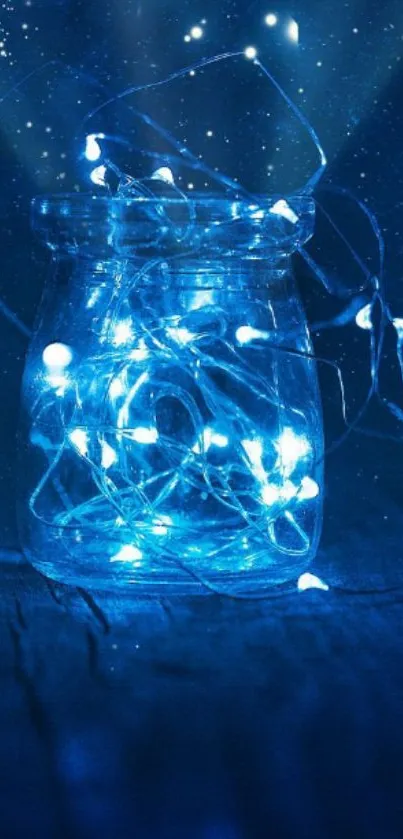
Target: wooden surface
202 719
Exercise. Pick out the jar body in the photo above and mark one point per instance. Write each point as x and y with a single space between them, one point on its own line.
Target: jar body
182 442
171 428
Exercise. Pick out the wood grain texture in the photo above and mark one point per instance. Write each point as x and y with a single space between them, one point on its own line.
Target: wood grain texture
201 718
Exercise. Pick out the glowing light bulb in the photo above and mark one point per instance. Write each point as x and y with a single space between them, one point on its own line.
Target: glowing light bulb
127 553
98 175
288 491
219 440
398 324
254 450
251 53
93 150
180 334
210 438
290 449
116 388
246 334
270 494
109 456
363 317
145 436
271 19
281 208
123 333
196 32
164 173
292 31
140 353
160 530
200 298
79 438
308 489
258 214
307 581
57 356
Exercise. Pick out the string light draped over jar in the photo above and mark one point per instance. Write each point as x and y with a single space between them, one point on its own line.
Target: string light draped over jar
171 432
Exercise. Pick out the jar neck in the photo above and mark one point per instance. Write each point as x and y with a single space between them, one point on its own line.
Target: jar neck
209 226
229 272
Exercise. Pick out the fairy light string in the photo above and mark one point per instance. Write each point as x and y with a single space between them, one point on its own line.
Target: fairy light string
143 480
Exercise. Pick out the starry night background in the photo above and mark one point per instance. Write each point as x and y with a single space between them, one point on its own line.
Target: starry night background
342 63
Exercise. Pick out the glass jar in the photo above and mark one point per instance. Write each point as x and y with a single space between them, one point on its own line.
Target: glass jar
171 430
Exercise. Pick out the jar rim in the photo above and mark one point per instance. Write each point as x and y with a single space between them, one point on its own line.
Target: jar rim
261 221
47 203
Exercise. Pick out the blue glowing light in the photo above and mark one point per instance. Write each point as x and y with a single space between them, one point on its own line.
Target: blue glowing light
92 148
363 317
98 175
271 19
146 436
281 208
290 449
251 53
127 553
164 173
309 489
140 353
123 333
79 438
57 356
398 324
246 334
109 456
196 32
307 581
116 388
293 31
210 438
180 335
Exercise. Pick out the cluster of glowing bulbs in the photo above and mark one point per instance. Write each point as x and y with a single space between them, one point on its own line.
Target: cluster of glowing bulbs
271 20
195 34
290 447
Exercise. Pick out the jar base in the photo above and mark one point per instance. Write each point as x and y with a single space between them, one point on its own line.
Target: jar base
175 583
